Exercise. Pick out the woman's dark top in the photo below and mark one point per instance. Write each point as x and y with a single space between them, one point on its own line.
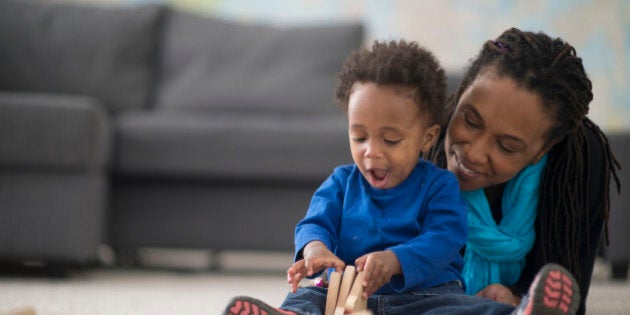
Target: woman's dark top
589 242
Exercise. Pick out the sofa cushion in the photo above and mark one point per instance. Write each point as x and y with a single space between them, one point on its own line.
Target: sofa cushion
209 63
106 52
53 133
228 145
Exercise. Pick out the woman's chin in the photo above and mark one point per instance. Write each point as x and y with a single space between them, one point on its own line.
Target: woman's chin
466 185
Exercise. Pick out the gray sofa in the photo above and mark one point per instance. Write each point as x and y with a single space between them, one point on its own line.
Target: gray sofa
618 252
147 126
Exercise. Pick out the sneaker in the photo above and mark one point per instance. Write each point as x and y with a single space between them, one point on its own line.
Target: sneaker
245 305
553 292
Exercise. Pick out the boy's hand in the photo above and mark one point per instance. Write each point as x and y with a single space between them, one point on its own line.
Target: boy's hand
378 268
316 257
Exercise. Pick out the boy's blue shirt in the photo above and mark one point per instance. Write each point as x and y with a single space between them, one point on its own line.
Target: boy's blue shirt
422 220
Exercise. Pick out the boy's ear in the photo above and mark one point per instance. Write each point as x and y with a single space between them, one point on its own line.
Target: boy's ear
430 137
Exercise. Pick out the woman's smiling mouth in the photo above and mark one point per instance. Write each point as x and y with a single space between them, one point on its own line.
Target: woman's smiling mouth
463 169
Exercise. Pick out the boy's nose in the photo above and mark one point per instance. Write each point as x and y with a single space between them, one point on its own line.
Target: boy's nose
373 150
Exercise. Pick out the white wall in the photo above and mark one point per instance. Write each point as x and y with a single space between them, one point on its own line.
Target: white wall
455 29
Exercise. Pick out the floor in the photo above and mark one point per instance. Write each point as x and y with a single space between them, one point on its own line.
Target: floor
177 286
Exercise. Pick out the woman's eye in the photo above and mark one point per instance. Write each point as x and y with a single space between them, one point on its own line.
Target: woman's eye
505 148
358 139
470 122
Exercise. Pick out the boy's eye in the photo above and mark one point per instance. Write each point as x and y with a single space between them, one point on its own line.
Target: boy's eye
392 141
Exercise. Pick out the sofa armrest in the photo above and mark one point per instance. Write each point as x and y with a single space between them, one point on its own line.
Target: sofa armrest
618 252
53 132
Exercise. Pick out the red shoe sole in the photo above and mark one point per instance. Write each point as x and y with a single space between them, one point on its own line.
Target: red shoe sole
244 305
555 293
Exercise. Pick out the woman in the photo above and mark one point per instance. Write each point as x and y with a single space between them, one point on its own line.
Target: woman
526 156
534 169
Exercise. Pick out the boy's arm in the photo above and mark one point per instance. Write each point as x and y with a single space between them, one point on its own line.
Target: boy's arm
444 232
323 216
378 269
316 234
316 258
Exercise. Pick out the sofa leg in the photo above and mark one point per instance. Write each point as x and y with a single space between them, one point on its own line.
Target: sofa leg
619 270
126 257
214 259
52 270
57 270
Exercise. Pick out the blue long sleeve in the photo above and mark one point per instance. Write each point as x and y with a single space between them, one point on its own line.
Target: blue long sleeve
423 221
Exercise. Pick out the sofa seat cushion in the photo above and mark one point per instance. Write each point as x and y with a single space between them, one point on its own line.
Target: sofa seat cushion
209 63
231 145
105 52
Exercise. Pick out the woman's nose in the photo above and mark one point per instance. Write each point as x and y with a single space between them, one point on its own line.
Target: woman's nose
477 152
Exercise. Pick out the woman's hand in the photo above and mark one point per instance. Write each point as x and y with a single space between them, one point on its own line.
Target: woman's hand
378 268
499 293
317 257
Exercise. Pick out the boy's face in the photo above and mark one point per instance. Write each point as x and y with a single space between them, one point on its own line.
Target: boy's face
387 133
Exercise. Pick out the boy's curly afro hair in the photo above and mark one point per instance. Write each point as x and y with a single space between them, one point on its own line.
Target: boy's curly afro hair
401 64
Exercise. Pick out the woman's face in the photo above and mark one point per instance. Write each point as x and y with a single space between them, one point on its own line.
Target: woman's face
496 130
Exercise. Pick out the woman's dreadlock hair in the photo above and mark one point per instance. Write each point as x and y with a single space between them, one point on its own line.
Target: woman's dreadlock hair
550 68
402 64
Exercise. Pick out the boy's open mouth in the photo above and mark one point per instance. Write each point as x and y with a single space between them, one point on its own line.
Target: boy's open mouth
378 177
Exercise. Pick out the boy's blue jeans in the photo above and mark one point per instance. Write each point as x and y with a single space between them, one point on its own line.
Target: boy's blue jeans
448 298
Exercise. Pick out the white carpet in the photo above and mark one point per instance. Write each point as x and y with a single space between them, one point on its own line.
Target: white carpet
137 292
158 291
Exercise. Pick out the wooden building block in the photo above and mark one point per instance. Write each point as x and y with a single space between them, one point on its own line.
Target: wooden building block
333 292
346 284
355 301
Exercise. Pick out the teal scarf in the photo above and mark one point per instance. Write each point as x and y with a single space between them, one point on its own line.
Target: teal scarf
496 253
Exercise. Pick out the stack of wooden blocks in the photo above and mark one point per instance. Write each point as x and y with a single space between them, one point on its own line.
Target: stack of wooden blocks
345 293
